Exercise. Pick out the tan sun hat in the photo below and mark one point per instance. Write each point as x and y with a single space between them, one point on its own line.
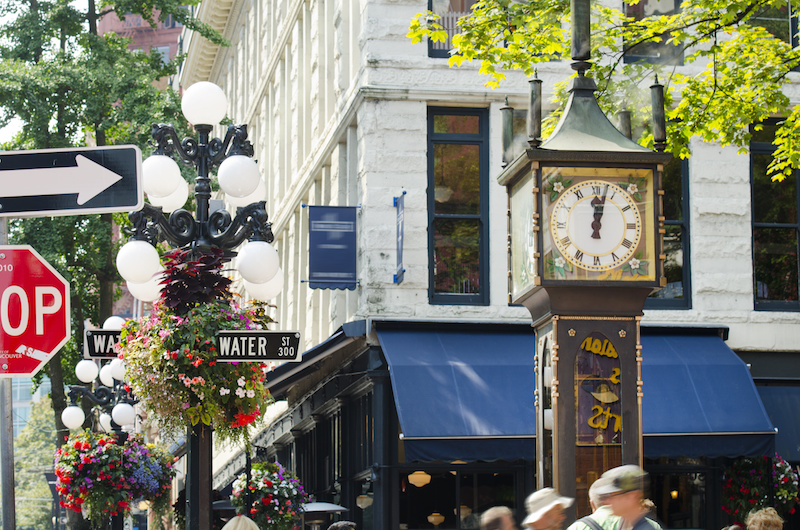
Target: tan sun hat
541 501
240 522
623 479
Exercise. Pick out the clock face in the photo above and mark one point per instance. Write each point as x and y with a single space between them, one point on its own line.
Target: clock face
596 225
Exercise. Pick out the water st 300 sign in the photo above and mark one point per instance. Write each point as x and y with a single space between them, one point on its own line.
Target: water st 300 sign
257 345
47 182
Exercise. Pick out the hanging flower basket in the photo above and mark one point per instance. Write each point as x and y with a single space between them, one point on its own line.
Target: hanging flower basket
96 473
276 496
755 483
171 355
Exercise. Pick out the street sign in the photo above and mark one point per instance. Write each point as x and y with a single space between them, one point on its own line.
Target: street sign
247 345
34 311
99 343
40 183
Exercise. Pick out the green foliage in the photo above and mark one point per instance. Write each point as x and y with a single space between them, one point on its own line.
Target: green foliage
276 496
754 483
191 282
159 10
33 450
743 69
107 473
171 355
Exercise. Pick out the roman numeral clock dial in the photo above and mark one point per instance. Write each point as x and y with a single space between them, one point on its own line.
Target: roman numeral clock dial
596 225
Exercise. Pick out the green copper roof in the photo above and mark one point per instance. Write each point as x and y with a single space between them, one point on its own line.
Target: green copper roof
584 126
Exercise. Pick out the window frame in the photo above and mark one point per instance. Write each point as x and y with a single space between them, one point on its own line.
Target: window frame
675 60
482 141
686 301
435 53
762 148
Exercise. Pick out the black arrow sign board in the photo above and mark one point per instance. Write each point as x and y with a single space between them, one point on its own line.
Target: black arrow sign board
41 183
238 346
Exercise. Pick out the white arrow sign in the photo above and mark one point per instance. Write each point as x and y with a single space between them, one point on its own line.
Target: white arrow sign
88 179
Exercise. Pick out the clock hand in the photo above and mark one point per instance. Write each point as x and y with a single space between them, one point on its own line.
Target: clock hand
598 204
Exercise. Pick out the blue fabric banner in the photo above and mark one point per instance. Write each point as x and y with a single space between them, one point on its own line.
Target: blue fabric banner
332 247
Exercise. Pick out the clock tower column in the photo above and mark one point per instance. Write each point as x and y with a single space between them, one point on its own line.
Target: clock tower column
585 239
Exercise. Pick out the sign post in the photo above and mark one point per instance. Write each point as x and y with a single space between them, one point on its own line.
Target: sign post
34 311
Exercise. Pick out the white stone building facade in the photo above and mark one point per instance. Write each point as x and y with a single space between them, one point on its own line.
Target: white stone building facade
337 102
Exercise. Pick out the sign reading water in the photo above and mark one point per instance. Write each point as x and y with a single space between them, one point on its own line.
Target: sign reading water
248 345
100 343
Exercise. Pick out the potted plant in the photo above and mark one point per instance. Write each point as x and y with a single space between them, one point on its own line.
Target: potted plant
755 483
171 355
102 475
275 496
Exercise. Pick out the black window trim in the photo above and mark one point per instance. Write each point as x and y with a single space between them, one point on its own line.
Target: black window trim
652 303
761 148
482 140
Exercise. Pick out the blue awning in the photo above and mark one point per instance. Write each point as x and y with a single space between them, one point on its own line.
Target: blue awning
783 406
700 400
463 395
469 395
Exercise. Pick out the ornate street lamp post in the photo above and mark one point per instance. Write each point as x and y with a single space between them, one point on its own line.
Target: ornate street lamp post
204 105
113 397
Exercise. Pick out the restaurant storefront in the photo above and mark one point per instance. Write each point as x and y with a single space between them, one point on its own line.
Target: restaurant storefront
426 424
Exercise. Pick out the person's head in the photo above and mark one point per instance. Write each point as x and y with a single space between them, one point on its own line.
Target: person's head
596 499
624 490
498 518
764 519
240 522
342 525
546 509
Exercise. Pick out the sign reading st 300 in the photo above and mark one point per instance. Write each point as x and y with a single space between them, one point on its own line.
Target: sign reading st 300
248 345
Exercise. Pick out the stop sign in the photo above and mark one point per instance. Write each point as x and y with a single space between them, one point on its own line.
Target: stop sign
34 311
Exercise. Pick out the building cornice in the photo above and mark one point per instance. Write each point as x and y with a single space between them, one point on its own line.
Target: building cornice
202 54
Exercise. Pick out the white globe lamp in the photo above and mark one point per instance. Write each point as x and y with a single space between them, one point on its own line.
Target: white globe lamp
105 422
175 200
238 175
105 376
72 417
138 261
123 414
160 176
258 262
258 195
267 290
86 370
114 322
117 369
204 103
148 291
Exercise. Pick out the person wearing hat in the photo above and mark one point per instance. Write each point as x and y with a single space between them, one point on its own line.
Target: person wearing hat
343 525
546 510
240 522
601 518
624 494
498 518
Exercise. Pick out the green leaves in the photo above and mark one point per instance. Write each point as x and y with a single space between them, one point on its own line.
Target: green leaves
736 72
